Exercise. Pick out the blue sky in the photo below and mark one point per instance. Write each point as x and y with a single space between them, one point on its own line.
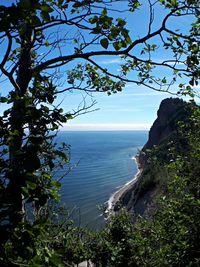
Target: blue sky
136 107
133 109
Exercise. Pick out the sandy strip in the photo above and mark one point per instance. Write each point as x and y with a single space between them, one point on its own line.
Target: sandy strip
123 190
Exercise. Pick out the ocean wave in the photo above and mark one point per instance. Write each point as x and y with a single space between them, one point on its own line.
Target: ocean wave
112 197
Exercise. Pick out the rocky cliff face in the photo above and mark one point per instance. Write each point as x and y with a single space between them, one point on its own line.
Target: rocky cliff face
171 110
164 132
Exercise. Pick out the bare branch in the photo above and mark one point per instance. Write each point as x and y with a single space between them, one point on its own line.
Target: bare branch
151 18
11 79
85 89
86 55
7 51
165 63
84 109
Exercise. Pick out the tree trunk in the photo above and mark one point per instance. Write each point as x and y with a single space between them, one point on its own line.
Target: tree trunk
16 173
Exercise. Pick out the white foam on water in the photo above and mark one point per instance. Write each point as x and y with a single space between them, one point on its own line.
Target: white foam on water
111 199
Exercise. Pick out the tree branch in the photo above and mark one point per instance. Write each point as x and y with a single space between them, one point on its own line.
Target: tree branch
128 80
7 51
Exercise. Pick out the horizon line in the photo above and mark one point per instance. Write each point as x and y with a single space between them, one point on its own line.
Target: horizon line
106 127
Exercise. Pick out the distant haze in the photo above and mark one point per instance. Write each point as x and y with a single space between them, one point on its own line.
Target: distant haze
106 127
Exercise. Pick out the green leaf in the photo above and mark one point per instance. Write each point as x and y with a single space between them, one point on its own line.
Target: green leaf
4 24
3 99
104 12
115 31
60 2
31 185
35 20
57 184
110 37
117 45
50 98
128 39
36 139
93 20
104 43
25 4
46 8
45 16
196 49
174 3
188 88
121 22
23 29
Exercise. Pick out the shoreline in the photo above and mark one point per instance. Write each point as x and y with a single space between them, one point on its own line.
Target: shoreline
116 196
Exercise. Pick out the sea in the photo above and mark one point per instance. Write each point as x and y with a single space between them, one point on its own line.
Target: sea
101 162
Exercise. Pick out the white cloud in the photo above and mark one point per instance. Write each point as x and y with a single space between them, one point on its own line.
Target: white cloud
106 127
160 94
111 61
120 60
111 108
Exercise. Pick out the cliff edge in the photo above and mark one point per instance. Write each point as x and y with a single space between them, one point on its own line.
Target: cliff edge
163 135
171 112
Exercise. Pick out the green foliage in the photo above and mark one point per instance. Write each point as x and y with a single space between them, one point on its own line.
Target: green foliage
29 155
115 32
111 246
148 180
52 240
95 80
170 236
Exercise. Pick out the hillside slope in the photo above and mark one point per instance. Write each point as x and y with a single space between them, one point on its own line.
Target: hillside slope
167 195
164 137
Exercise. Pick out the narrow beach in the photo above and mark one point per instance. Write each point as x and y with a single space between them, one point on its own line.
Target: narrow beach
123 190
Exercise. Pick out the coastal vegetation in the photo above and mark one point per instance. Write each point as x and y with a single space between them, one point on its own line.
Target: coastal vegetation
168 234
35 68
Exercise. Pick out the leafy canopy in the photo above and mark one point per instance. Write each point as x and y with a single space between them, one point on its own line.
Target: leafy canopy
52 47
